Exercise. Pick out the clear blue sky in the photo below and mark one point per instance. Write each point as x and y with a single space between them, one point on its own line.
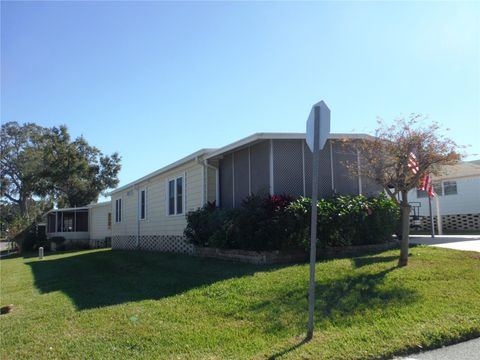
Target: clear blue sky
158 81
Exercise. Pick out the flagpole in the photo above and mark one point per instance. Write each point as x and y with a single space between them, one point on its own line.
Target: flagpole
439 217
432 227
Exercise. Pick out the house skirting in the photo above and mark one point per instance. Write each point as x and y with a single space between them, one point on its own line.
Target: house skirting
452 222
164 243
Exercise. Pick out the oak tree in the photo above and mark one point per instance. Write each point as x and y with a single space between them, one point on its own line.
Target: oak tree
75 173
20 162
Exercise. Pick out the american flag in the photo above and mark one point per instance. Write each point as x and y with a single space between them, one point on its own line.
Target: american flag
427 186
413 163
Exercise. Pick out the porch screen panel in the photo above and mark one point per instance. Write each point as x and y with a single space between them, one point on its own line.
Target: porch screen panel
59 222
287 167
241 176
211 184
260 168
345 182
226 182
369 187
82 221
68 220
325 179
51 222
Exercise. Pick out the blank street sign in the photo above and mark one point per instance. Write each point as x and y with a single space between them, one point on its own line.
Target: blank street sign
324 125
318 129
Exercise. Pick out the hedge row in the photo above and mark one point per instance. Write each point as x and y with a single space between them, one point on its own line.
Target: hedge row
281 222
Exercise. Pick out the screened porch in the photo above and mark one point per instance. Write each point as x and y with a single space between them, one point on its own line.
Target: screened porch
70 223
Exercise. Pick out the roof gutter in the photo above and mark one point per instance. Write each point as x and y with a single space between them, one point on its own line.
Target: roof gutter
278 136
191 157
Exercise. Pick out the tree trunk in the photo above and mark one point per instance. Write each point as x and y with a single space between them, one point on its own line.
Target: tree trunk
22 203
405 209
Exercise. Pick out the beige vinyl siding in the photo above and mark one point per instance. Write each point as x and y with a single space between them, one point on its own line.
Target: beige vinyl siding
99 221
157 222
121 228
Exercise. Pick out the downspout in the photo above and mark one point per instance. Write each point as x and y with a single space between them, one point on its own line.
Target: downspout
272 184
331 166
249 173
303 169
138 216
204 187
233 179
359 173
217 188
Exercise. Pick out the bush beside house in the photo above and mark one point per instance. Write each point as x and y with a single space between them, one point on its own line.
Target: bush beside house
280 222
31 238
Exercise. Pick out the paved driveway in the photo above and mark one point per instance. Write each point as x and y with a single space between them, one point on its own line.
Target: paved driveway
468 350
457 242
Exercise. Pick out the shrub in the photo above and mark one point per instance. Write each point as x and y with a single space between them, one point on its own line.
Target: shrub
259 224
41 241
203 223
346 220
281 222
59 242
31 238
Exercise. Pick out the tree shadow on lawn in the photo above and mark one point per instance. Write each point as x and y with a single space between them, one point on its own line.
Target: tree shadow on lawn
340 302
105 278
370 260
336 300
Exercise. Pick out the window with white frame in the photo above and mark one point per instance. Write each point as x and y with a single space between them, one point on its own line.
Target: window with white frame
175 195
450 187
118 210
421 194
437 188
143 204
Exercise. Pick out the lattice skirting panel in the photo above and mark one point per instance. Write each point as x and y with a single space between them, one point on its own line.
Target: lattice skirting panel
453 222
124 242
164 243
101 243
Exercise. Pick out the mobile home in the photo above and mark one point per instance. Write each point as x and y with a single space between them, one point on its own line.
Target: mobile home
149 213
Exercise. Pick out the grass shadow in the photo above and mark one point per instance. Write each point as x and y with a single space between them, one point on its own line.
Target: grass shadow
104 278
339 300
289 349
371 260
353 294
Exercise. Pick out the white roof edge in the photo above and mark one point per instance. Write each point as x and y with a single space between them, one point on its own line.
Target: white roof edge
460 170
351 136
215 152
103 203
173 165
69 209
255 137
89 206
268 136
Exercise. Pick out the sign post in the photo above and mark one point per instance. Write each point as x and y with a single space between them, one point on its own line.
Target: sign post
432 226
439 217
318 129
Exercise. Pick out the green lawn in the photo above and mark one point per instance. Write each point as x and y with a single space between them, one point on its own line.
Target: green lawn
107 304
